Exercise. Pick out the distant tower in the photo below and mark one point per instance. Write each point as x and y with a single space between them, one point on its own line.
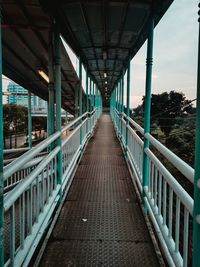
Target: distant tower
19 95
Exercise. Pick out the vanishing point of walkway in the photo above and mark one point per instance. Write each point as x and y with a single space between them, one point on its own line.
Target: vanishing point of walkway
101 222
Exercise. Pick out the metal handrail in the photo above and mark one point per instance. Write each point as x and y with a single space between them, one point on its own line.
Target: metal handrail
181 165
37 194
163 193
13 195
19 163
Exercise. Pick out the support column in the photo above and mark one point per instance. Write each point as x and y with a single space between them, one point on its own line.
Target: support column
147 110
29 120
80 98
87 101
51 111
58 104
122 101
1 162
76 101
93 107
90 97
119 107
196 212
127 105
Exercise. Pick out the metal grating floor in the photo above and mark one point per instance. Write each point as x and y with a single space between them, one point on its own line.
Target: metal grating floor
101 223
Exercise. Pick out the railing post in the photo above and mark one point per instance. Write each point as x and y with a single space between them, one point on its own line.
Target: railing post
80 98
149 63
122 102
196 211
1 162
29 120
127 106
58 104
87 104
51 111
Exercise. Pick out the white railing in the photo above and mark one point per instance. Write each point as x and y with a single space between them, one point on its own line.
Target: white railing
168 203
35 195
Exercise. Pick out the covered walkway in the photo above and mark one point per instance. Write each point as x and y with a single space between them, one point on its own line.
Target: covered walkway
101 222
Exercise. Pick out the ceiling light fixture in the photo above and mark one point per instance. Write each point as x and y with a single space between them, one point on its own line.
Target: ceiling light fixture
105 75
106 82
43 75
104 55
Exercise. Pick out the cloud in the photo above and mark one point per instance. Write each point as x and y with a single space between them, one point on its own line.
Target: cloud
175 53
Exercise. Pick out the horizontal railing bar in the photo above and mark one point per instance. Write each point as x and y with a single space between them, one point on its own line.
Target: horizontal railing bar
19 162
15 150
30 163
71 135
73 122
181 165
135 124
185 198
138 139
12 196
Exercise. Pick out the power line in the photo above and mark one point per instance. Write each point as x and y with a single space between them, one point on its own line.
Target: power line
163 112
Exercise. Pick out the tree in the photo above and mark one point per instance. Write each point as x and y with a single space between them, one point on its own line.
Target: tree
166 107
14 120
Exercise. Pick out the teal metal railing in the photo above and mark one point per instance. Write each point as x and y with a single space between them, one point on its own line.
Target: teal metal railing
169 205
34 197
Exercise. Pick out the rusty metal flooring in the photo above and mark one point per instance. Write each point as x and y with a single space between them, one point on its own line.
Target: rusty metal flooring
101 222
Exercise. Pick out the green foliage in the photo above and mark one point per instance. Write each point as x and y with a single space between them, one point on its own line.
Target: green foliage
14 118
182 140
172 123
165 108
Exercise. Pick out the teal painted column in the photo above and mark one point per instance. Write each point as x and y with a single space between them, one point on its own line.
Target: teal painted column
76 101
51 111
119 108
196 212
127 105
114 105
147 110
89 93
93 98
117 96
96 96
87 100
1 162
29 120
80 99
122 101
58 104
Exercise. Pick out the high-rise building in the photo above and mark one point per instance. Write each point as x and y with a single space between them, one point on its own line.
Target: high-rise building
18 95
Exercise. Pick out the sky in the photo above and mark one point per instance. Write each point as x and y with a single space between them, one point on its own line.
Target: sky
175 55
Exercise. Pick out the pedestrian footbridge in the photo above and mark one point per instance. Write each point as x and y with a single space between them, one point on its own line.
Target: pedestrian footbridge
99 190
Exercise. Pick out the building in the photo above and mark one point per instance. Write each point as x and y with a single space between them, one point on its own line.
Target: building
19 95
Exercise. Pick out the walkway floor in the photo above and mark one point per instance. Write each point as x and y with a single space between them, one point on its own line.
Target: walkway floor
101 222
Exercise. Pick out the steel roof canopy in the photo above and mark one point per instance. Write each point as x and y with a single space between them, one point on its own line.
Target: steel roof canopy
105 34
25 39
